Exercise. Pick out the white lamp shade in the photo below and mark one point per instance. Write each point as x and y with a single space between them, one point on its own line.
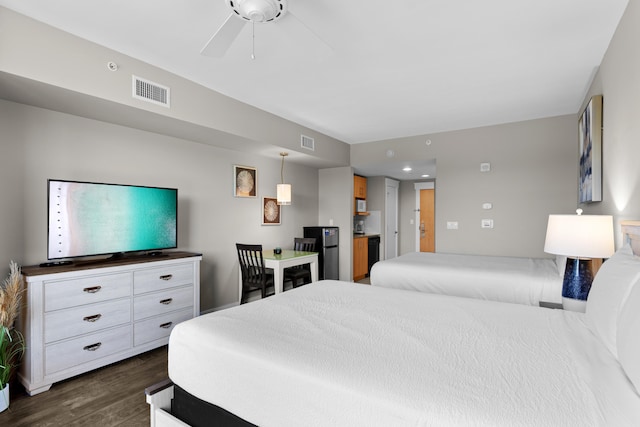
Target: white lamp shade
586 236
284 194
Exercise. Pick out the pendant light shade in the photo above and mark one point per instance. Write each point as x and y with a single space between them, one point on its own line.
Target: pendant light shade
284 194
283 190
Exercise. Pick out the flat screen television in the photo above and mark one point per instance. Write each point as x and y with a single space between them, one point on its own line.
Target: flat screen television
89 218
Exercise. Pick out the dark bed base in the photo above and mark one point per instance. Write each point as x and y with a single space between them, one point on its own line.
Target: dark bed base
198 413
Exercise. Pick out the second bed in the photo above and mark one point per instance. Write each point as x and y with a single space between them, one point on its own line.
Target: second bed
506 279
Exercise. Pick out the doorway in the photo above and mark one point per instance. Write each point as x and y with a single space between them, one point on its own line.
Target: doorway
391 219
425 217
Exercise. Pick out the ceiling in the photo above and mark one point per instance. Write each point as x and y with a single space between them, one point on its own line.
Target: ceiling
366 70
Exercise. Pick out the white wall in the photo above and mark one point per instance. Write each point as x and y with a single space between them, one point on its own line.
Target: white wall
211 220
534 167
618 80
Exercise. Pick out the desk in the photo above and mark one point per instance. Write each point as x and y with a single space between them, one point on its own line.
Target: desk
288 258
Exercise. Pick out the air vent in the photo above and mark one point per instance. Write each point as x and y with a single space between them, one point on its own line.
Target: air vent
151 92
307 142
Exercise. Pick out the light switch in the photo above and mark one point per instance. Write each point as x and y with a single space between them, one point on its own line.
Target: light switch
487 206
452 225
485 167
486 223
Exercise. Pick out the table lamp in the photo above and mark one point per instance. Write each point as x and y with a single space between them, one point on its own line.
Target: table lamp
580 238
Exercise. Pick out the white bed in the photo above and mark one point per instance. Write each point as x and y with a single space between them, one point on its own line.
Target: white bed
342 354
506 279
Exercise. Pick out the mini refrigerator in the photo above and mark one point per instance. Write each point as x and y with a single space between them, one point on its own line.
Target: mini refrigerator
327 247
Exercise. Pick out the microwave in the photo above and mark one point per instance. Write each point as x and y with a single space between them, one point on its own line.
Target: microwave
361 205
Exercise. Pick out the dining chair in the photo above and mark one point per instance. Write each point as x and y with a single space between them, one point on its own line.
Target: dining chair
255 276
300 274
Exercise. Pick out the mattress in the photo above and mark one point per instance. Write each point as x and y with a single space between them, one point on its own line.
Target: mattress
338 353
505 279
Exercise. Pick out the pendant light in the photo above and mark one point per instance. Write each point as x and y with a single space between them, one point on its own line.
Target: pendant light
283 190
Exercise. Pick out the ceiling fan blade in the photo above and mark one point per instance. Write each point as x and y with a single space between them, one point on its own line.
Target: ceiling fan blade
222 39
304 36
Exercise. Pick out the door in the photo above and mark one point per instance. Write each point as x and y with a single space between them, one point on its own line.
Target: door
391 219
427 221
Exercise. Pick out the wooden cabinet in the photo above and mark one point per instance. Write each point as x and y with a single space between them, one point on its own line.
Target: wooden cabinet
359 187
85 316
359 191
360 257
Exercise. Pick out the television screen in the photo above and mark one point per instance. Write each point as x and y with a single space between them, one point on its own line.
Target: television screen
87 218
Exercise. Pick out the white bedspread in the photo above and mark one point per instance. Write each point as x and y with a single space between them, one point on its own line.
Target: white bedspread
342 354
506 279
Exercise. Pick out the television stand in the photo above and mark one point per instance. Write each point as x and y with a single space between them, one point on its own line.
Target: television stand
86 315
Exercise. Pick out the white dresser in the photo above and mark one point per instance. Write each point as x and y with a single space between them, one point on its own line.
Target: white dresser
84 316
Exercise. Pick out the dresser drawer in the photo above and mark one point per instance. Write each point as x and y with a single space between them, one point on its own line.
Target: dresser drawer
155 279
67 354
162 302
86 319
158 327
87 290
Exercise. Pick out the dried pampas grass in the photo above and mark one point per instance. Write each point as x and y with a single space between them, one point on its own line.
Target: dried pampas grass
10 296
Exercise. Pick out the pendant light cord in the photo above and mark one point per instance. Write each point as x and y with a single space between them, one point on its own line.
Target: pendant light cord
282 168
253 40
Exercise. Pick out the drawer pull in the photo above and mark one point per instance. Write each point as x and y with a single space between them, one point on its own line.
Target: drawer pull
166 301
166 325
92 290
93 318
92 347
166 277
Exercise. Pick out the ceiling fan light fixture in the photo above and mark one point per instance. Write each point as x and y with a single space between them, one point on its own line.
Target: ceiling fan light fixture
258 10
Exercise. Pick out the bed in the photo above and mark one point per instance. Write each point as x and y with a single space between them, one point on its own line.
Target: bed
506 279
339 353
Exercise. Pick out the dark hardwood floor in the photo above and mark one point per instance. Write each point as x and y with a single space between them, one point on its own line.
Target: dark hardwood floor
109 396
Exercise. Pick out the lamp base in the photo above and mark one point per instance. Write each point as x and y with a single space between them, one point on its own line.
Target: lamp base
576 284
572 304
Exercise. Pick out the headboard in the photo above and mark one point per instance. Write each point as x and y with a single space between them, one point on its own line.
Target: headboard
631 234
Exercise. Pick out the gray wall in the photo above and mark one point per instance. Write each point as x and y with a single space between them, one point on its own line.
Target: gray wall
335 207
618 80
37 144
533 174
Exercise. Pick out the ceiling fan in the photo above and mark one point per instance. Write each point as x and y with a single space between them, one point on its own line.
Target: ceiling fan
260 12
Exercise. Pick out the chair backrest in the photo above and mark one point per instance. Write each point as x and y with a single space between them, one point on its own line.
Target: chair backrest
251 264
307 244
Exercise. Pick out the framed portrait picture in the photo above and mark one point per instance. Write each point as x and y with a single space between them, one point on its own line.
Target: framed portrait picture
590 131
245 181
270 211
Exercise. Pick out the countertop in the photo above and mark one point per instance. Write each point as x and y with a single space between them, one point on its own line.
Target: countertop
357 235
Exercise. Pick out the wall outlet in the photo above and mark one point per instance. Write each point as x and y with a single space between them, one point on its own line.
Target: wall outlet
452 225
487 206
485 167
486 223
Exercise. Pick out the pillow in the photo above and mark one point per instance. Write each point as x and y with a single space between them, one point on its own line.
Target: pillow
608 293
561 263
627 340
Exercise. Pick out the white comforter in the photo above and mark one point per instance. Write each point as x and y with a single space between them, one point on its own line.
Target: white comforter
505 279
342 354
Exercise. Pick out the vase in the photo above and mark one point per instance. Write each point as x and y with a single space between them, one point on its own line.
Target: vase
4 398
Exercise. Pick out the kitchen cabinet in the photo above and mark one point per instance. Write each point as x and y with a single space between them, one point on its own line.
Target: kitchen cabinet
360 257
359 191
359 187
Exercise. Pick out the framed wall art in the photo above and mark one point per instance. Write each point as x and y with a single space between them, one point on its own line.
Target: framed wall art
590 133
245 181
270 211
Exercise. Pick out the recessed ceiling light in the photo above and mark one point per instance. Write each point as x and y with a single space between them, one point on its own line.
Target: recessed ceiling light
426 175
407 169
